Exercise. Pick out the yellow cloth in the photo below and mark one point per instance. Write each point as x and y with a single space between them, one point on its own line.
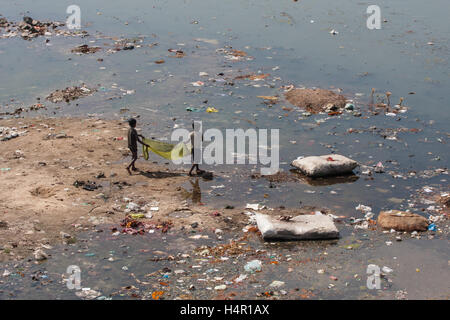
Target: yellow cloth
166 150
211 109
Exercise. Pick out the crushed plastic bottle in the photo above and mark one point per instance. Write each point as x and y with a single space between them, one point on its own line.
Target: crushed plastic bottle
253 266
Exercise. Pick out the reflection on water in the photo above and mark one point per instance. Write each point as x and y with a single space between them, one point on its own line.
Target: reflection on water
322 181
196 192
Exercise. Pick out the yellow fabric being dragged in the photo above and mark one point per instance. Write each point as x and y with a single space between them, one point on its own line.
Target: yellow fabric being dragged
166 150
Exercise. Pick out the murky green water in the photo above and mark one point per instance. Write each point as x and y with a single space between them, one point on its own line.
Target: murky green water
290 41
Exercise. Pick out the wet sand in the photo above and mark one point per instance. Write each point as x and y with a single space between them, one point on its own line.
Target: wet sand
47 211
38 198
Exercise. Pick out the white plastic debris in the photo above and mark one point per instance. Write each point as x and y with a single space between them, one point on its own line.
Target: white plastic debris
386 269
326 165
253 266
133 206
253 206
241 278
363 208
221 287
302 227
87 293
276 284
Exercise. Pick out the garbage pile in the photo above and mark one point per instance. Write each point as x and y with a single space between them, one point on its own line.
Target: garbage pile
4 23
86 185
134 226
318 100
233 248
70 93
19 110
445 200
367 221
85 49
7 133
137 219
31 28
126 44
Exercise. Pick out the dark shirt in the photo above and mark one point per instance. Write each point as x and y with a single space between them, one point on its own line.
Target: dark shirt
132 139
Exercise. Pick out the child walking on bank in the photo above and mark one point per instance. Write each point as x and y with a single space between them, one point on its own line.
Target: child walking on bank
193 136
133 139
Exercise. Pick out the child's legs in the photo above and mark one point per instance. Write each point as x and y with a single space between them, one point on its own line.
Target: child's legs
192 168
133 158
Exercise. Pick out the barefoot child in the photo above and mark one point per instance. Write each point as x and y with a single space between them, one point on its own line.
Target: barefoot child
133 139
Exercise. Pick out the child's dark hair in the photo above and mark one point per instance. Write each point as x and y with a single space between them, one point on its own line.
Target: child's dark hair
132 122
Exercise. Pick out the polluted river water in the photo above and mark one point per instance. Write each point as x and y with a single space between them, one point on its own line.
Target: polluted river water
182 63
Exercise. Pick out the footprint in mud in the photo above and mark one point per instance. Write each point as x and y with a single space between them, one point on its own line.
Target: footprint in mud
43 192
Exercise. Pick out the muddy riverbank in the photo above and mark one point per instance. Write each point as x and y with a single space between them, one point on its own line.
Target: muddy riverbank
71 194
61 176
201 265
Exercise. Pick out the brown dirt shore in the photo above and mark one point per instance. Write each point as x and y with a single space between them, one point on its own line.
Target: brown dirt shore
41 206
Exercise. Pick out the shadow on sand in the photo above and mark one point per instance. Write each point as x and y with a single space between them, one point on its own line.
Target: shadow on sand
160 174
